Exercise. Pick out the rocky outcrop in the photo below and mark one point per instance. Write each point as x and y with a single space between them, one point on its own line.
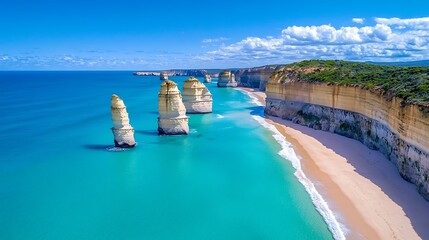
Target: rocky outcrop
380 121
188 72
256 77
146 73
207 78
172 112
123 132
163 76
226 79
196 97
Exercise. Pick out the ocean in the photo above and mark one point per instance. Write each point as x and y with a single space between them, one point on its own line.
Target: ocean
60 178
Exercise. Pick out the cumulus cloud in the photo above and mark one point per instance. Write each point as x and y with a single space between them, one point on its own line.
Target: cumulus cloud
358 20
414 23
388 39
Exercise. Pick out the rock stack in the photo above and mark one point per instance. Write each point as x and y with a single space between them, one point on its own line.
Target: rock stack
226 79
196 97
123 132
163 76
172 112
207 78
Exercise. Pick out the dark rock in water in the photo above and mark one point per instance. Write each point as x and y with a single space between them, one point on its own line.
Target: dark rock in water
124 145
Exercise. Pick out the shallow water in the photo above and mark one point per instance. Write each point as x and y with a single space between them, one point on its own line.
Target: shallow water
61 179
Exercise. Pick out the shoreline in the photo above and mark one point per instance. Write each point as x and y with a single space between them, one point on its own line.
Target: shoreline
361 186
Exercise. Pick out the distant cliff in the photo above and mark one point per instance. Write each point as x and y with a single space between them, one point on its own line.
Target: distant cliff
386 108
256 77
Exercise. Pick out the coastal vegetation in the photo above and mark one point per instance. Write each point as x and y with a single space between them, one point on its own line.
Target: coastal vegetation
409 83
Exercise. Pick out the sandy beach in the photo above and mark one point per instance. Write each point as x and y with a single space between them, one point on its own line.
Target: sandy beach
361 186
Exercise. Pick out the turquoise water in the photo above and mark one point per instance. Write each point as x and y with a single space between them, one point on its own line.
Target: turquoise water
57 180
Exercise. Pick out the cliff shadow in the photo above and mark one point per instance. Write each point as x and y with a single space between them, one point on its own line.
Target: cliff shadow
375 167
256 111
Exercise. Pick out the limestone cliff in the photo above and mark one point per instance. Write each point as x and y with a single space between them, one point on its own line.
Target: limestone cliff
256 77
172 112
379 120
207 78
163 76
226 79
123 132
196 97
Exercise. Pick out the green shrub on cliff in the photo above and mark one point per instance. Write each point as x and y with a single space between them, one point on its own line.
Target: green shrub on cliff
408 83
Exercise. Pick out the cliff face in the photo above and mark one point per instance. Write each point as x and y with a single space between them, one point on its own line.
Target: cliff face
254 77
382 122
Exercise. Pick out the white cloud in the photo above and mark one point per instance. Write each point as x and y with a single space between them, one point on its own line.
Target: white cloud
415 23
358 20
388 40
214 40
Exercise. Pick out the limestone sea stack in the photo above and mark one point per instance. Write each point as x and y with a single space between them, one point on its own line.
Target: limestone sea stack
207 78
123 132
172 112
163 76
226 79
196 97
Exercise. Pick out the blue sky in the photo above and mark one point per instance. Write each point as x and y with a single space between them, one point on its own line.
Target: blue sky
91 35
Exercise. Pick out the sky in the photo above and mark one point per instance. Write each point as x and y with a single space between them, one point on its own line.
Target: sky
157 35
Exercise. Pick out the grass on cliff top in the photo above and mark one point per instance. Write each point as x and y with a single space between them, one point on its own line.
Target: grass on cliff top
408 83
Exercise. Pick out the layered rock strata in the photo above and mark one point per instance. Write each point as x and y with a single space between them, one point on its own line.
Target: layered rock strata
256 77
196 97
207 78
172 112
400 131
226 79
163 76
123 132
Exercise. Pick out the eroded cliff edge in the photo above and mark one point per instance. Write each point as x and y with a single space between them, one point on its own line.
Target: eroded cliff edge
256 77
396 126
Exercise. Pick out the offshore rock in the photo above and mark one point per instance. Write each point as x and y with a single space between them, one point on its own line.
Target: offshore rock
226 79
207 78
172 112
123 132
163 76
196 97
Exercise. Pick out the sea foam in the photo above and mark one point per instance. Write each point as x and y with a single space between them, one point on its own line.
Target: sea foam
287 152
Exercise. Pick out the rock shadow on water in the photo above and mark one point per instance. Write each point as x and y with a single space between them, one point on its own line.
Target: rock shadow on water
97 146
102 147
256 110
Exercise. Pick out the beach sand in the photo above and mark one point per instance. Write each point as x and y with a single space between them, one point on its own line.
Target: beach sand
360 185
